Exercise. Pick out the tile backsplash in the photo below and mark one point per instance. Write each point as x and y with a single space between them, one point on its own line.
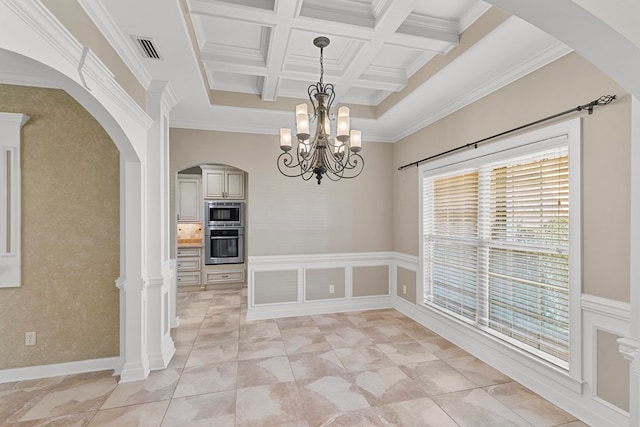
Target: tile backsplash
188 231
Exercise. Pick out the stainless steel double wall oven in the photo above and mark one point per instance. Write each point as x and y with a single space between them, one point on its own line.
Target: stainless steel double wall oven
223 232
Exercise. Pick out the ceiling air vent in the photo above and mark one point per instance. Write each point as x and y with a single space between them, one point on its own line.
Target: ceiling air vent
147 47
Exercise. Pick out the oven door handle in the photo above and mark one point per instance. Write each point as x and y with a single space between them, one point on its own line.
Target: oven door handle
223 238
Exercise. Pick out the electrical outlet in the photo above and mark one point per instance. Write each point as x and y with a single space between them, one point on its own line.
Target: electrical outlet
29 338
332 289
404 289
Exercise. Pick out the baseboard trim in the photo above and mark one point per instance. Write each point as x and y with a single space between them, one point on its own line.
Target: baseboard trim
563 392
273 311
58 369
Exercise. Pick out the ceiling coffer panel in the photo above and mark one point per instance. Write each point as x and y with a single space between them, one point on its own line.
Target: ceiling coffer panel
256 4
304 58
346 12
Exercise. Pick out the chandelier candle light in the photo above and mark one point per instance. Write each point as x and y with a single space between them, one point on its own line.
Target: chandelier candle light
337 157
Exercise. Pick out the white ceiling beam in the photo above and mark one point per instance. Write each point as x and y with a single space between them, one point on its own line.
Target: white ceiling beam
232 11
421 43
346 13
386 24
278 46
213 64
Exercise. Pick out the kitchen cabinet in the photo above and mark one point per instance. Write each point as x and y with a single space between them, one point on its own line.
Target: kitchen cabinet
189 198
189 266
228 276
223 184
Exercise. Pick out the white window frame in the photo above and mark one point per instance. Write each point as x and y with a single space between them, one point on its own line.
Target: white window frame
564 133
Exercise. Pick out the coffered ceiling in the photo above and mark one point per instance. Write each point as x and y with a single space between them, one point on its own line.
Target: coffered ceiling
242 65
265 47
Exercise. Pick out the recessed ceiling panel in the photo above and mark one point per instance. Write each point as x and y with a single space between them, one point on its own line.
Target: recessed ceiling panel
349 12
363 96
235 34
304 57
395 57
295 88
233 82
258 4
451 10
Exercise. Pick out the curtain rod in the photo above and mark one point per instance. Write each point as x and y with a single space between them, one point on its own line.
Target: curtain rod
603 100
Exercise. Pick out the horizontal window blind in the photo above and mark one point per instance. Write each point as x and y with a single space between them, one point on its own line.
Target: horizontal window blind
496 245
451 241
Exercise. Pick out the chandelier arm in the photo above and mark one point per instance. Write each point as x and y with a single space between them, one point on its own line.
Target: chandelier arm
312 90
286 160
329 90
356 163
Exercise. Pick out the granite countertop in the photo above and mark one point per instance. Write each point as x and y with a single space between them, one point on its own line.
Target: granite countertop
189 243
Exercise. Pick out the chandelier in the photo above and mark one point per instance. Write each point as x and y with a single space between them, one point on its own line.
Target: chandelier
335 158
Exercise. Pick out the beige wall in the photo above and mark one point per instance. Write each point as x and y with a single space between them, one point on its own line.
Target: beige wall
275 287
612 371
292 216
318 280
70 235
566 83
406 278
370 281
76 20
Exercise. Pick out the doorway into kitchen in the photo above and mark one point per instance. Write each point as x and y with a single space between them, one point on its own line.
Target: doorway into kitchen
210 223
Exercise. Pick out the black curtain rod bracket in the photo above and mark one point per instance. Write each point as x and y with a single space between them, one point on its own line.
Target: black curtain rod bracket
603 100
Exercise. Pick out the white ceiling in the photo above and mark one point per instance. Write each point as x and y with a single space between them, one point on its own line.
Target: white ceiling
235 64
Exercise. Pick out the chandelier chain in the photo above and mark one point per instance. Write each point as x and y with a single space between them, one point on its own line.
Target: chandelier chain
321 66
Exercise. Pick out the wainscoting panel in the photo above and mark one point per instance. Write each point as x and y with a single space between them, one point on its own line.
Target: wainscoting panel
371 280
324 283
276 287
361 281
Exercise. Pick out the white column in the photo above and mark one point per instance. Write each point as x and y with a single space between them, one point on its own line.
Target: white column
630 346
158 273
133 351
10 202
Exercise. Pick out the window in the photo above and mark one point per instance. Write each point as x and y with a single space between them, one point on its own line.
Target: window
496 241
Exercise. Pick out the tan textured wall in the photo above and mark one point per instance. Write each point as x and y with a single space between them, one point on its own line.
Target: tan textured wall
70 235
292 216
76 20
566 83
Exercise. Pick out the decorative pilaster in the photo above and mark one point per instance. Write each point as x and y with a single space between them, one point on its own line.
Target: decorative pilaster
160 347
133 296
10 201
630 346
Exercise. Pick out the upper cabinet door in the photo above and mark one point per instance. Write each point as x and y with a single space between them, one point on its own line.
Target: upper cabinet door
188 200
235 185
214 183
223 184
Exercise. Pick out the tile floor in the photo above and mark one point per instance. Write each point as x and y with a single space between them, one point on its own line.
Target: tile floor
374 368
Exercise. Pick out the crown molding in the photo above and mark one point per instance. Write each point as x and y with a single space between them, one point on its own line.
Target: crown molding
475 12
223 127
554 52
26 79
99 15
90 71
